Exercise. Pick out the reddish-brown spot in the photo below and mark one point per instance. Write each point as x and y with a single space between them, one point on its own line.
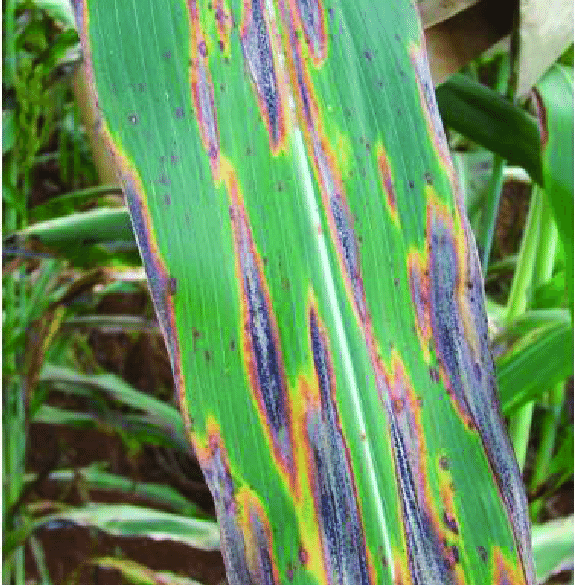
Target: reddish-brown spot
203 90
387 182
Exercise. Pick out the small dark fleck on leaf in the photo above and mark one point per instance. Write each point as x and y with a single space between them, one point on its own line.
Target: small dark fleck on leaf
133 119
428 178
483 553
477 371
232 345
444 463
207 355
195 336
167 199
368 55
180 113
455 553
433 374
221 46
303 555
203 49
411 184
450 523
167 55
396 281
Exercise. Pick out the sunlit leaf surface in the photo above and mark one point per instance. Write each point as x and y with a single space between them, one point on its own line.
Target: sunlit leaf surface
296 209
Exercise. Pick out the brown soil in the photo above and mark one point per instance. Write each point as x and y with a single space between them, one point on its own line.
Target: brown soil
68 549
141 360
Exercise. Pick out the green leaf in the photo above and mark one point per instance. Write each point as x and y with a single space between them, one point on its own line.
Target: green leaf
553 547
551 294
139 574
58 416
94 478
138 521
83 228
317 285
8 131
492 121
554 94
562 463
60 10
161 421
540 358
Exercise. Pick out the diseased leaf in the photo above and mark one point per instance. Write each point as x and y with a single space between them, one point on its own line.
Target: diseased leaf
317 284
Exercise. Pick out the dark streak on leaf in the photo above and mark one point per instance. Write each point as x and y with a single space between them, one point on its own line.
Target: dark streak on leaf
312 19
427 564
459 329
220 482
341 527
257 50
263 352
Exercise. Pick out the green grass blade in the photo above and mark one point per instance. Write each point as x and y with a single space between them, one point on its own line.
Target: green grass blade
553 547
317 285
139 574
94 478
555 107
159 412
138 521
534 363
83 228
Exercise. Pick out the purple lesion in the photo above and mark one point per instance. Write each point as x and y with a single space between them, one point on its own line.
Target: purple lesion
446 325
263 354
311 15
219 479
341 530
257 51
419 295
264 571
426 556
459 328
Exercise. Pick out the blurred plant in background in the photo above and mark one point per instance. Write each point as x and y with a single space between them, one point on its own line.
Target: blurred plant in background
68 249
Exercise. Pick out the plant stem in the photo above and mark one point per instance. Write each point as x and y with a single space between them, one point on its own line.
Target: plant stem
554 402
520 422
491 210
491 204
548 244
